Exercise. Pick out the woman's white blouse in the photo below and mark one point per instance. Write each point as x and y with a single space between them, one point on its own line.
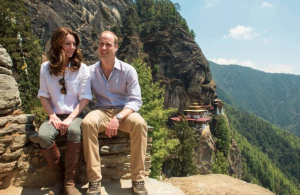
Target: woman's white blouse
77 84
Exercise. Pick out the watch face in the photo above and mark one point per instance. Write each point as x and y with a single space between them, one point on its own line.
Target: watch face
119 116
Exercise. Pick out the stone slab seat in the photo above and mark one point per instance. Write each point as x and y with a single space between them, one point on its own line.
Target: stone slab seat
115 156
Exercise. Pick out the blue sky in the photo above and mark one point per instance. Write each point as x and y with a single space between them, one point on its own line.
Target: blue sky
263 35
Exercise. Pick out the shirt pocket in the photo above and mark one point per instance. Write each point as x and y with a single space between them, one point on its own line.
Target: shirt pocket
72 87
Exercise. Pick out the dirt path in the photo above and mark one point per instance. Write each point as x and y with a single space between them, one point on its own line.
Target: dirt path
122 187
213 184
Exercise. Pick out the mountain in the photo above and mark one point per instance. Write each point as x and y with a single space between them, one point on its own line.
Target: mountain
270 155
271 96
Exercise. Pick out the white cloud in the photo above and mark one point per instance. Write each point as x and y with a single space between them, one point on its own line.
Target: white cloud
265 5
210 3
242 32
278 68
223 61
271 68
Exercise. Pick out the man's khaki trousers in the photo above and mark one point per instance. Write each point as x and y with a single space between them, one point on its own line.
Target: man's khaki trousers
95 122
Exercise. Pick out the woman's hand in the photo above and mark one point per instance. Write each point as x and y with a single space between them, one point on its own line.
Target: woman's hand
55 121
64 125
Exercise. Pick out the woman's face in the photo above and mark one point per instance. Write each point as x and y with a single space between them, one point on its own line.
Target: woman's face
69 45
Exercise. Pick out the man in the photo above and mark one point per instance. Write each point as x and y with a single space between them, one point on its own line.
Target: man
116 88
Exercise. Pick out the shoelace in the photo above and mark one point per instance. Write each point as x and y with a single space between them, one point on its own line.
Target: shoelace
94 186
139 185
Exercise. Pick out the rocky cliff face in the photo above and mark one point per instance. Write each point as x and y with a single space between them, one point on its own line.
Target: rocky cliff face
87 17
182 67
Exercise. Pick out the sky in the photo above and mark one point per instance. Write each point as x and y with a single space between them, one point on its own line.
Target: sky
263 35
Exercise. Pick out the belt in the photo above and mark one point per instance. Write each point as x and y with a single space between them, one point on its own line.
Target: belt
62 115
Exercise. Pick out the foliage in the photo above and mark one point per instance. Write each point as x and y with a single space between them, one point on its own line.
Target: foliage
222 135
221 164
144 17
193 34
156 116
24 49
39 113
223 140
181 160
270 155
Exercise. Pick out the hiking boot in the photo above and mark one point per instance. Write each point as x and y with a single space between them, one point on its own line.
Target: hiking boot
94 188
139 188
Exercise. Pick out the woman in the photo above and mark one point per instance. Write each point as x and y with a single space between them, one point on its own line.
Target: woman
65 90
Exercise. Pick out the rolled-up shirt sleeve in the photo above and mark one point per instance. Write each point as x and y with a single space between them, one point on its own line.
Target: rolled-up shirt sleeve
43 91
84 91
134 92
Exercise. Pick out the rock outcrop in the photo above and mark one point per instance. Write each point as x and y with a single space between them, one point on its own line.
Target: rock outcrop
216 184
182 67
87 17
9 92
14 127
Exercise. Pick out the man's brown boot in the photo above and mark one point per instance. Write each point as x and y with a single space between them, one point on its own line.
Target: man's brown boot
53 159
139 188
72 162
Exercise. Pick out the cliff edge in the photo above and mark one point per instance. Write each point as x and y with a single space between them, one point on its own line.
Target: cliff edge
213 184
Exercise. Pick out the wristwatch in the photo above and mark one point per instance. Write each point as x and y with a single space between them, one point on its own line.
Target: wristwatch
119 117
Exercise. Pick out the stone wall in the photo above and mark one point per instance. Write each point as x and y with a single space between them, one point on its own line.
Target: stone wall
14 127
115 160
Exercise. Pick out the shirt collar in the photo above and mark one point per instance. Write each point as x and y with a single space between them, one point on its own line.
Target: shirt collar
117 64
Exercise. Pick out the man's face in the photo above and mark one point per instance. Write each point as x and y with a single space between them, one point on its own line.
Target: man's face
107 47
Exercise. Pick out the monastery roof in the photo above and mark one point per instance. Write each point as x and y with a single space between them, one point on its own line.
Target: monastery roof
206 106
204 119
200 110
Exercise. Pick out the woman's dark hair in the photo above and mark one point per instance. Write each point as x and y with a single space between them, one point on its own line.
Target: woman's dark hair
57 57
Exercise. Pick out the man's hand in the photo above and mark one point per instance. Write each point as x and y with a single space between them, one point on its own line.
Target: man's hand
112 127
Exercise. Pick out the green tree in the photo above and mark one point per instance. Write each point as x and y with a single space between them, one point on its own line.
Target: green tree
182 158
222 135
24 49
156 116
221 164
193 34
131 21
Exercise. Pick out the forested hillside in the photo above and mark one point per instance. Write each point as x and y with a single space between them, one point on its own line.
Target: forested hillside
274 97
270 155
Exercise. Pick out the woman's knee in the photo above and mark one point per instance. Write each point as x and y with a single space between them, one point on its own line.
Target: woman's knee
46 136
74 135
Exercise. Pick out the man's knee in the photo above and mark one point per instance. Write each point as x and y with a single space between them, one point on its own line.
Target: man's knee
89 125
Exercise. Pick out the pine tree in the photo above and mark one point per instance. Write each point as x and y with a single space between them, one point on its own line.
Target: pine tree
24 49
181 160
156 116
221 164
222 135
